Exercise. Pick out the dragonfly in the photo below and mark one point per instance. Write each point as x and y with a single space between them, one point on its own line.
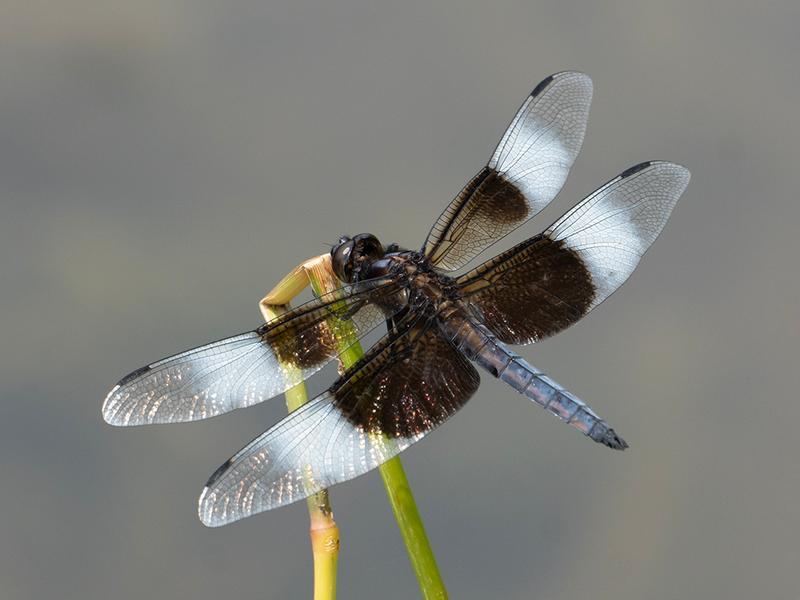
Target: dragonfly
437 327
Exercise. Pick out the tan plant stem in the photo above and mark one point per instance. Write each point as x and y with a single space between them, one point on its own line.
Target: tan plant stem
318 273
323 529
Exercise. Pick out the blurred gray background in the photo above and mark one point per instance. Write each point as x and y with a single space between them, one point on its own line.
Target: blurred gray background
163 164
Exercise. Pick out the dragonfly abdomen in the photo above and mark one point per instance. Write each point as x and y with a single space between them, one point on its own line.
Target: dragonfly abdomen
481 346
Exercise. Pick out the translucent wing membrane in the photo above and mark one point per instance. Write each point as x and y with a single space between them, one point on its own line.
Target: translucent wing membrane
407 384
526 171
252 367
549 282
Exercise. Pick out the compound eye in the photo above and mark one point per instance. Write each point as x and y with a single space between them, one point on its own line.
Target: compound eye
373 248
342 261
369 246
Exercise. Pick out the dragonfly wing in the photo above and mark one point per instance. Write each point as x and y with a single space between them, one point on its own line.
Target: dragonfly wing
550 281
405 386
526 171
251 367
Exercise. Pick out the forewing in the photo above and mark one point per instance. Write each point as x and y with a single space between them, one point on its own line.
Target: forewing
526 171
409 383
549 282
252 367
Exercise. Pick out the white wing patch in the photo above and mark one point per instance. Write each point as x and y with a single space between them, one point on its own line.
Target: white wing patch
200 383
613 227
541 143
312 449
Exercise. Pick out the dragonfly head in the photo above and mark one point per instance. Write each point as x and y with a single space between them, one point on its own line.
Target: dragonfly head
351 255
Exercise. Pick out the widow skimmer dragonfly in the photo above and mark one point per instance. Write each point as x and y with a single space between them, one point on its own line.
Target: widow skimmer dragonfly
439 325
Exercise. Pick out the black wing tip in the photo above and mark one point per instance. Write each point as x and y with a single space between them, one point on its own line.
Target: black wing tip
560 75
636 168
217 475
134 375
542 85
654 163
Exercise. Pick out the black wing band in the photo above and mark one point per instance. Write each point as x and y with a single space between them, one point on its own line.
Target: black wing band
549 282
406 385
252 367
526 171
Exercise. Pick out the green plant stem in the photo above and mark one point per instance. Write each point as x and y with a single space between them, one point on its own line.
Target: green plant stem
412 529
394 480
